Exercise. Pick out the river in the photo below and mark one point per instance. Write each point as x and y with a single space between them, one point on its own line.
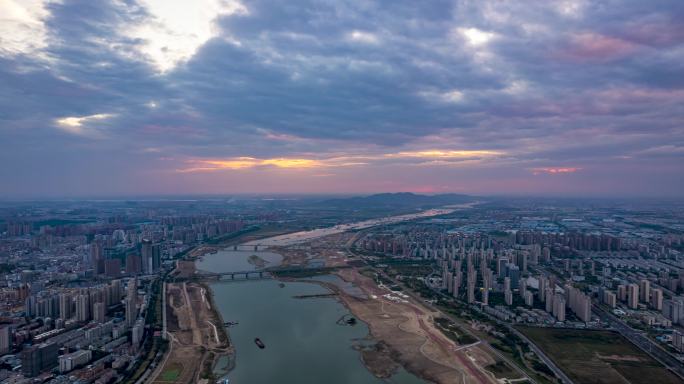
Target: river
304 342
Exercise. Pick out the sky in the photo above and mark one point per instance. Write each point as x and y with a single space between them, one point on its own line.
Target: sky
487 97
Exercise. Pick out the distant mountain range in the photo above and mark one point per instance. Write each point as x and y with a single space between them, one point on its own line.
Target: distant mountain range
399 200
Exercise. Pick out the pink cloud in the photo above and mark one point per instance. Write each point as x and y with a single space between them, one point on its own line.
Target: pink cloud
554 170
589 46
656 33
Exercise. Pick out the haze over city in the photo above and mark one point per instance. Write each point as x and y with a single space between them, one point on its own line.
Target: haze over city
152 97
341 192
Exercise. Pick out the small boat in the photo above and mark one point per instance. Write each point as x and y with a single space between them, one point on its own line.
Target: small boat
259 343
281 285
351 321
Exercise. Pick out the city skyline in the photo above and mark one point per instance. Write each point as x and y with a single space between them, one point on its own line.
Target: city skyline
136 98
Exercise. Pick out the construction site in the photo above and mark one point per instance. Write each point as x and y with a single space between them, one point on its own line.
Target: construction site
195 333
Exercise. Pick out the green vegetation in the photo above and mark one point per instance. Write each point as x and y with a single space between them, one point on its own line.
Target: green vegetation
601 357
171 372
208 368
453 331
502 370
419 286
233 235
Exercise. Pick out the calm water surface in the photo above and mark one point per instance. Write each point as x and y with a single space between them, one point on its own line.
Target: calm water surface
230 261
304 344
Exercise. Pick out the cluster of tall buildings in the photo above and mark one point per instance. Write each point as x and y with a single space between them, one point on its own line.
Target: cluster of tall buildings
107 262
467 273
633 294
62 323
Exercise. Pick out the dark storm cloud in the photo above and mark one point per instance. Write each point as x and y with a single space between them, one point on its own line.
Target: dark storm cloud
576 84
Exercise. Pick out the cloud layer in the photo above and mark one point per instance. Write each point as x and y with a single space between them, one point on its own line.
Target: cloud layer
111 97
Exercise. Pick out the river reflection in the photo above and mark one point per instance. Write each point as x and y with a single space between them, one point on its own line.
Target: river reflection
304 343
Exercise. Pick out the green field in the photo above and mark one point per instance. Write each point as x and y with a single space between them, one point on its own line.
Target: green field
598 357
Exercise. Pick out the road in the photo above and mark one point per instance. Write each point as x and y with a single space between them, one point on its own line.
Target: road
641 341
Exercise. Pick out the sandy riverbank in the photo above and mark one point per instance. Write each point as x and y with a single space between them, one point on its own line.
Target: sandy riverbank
406 336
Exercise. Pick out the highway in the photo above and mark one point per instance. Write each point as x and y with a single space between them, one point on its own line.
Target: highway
641 341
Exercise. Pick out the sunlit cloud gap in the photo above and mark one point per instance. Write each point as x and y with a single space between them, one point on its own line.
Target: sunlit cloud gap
78 125
439 157
439 154
173 32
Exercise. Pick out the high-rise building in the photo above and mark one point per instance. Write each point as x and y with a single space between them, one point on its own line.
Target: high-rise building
508 297
523 287
529 298
633 296
622 292
543 283
133 265
82 307
65 306
645 290
131 311
471 285
137 333
151 257
99 312
657 299
674 310
112 267
513 273
559 307
501 266
457 283
485 292
96 253
678 340
37 358
548 300
5 339
579 303
610 299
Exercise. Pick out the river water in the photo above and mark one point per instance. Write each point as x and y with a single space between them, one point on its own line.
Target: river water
304 343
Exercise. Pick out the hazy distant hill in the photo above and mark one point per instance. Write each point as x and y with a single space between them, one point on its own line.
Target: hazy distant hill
398 200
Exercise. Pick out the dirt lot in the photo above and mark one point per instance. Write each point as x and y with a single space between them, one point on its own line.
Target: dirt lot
196 335
599 357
